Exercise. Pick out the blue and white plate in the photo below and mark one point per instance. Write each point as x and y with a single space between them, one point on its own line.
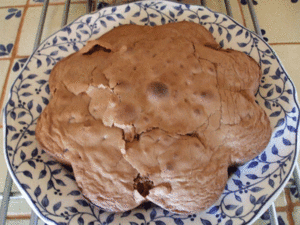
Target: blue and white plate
50 188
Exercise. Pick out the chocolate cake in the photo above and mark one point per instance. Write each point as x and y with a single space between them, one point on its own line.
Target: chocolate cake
154 114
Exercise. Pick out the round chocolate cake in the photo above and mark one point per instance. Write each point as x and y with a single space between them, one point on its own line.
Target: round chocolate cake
154 114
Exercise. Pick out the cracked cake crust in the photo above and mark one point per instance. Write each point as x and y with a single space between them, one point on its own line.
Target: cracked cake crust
154 114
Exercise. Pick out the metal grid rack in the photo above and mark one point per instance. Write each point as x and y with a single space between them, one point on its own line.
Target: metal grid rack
90 6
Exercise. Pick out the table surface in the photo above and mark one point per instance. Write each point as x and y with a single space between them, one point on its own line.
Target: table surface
279 21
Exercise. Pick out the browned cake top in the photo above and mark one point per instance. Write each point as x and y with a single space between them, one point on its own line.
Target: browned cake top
154 113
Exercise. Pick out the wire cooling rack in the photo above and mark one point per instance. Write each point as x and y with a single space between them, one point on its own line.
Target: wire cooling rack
90 6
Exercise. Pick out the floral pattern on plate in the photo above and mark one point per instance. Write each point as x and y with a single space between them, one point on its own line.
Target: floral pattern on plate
50 187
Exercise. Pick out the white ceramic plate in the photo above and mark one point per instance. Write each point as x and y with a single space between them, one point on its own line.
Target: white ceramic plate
50 188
